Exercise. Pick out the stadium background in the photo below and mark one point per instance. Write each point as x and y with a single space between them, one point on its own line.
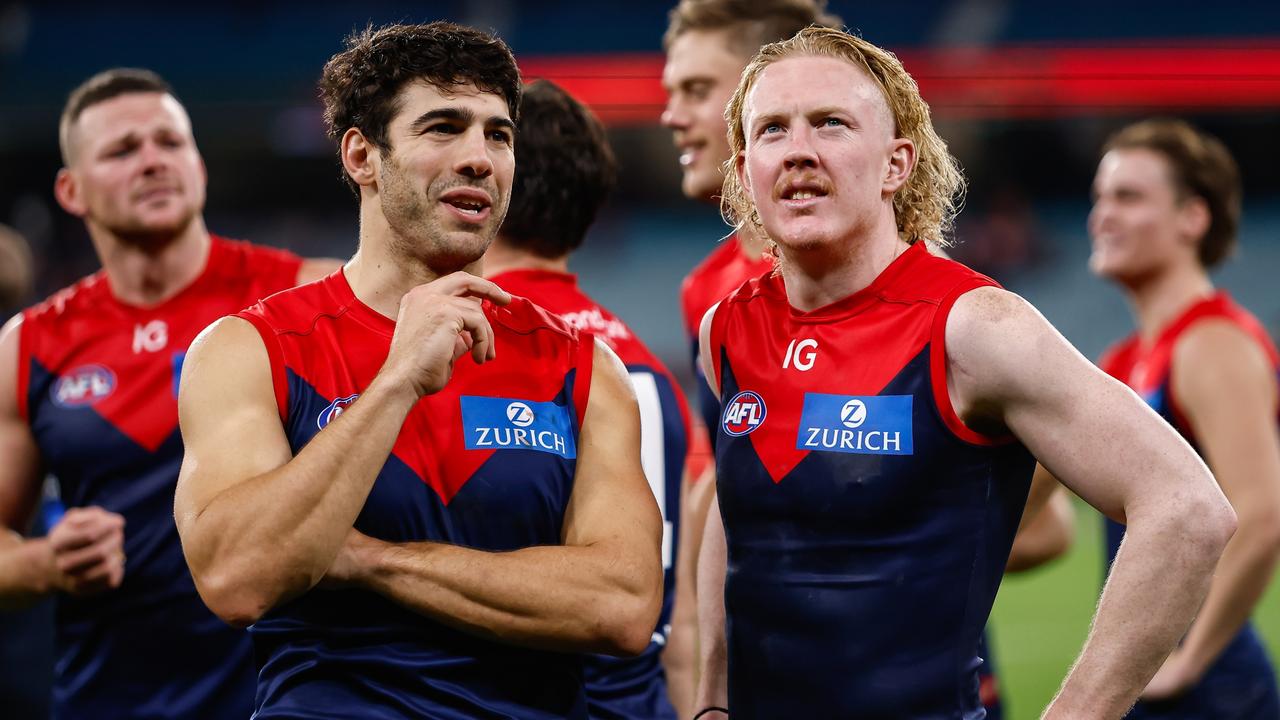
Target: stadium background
1025 92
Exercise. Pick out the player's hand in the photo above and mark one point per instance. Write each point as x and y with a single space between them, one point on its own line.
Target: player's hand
88 550
438 323
1173 679
352 562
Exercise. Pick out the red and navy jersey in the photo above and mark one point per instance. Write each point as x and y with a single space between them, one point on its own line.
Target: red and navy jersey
97 381
722 272
487 463
628 687
1147 368
867 526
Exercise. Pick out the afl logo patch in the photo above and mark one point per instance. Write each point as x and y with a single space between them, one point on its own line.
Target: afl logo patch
84 386
744 413
334 410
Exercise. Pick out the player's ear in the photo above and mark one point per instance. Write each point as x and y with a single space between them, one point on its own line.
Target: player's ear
360 158
902 160
1194 218
67 191
740 167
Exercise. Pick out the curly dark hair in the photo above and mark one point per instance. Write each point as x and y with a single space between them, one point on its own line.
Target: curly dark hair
100 88
564 172
360 86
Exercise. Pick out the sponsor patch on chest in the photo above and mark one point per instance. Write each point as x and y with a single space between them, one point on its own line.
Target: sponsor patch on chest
864 424
491 423
83 386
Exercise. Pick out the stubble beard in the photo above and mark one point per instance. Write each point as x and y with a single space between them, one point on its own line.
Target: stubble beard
416 235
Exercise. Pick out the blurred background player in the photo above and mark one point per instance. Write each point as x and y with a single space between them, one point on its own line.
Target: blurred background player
869 507
458 470
88 393
1166 211
565 171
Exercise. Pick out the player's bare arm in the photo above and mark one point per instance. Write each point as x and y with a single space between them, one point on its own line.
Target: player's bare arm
1226 389
83 553
1009 369
600 591
1048 524
713 649
679 658
259 526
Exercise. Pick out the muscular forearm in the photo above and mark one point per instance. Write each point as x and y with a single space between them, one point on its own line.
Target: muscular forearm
678 657
1145 608
1241 578
274 536
713 664
27 571
566 598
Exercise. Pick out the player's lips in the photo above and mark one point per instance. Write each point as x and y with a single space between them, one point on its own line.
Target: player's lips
689 152
803 193
469 204
155 193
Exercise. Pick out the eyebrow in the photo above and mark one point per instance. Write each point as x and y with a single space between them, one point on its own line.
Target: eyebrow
460 115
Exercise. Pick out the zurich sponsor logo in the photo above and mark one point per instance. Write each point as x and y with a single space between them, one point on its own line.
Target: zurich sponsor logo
743 414
83 386
335 409
868 425
490 423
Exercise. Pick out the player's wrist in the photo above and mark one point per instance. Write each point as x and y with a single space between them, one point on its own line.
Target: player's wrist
711 712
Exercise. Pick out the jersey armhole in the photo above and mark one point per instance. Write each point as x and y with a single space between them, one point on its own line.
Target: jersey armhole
716 340
23 385
583 364
275 357
938 368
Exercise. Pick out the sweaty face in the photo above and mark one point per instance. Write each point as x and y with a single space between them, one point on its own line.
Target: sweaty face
445 182
1134 224
136 168
700 76
819 139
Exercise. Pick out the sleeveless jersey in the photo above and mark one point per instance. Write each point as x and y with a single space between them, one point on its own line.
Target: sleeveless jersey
98 383
628 687
719 274
488 463
1241 684
867 526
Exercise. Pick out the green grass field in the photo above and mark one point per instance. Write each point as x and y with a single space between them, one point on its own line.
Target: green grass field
1041 618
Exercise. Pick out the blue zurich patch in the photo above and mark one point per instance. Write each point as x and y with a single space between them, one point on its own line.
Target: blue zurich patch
863 424
490 423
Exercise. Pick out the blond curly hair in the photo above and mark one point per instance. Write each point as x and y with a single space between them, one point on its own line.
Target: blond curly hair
926 206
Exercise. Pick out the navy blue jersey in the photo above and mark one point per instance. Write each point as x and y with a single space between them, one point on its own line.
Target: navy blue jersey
867 526
628 688
98 385
488 463
1241 683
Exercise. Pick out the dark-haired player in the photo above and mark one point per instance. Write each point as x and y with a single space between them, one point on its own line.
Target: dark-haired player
564 173
436 503
870 487
1166 208
88 392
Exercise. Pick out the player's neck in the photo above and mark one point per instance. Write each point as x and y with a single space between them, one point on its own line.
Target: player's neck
817 278
502 257
147 275
379 277
1160 298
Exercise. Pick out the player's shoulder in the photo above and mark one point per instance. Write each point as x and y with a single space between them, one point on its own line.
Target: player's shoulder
296 309
920 275
83 298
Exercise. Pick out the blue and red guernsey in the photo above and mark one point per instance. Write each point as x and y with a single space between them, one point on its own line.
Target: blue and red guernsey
98 383
867 526
722 272
488 463
1241 683
628 687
